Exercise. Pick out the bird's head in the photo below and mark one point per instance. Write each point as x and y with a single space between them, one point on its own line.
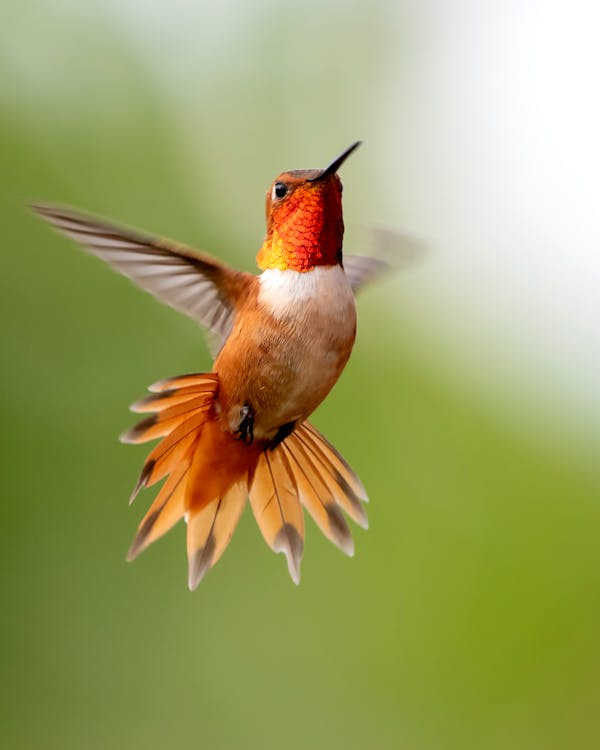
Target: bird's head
305 226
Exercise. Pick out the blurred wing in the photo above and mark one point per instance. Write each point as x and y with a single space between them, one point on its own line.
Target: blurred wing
192 283
391 251
361 269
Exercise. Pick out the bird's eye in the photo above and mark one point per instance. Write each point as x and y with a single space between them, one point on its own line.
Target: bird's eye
279 190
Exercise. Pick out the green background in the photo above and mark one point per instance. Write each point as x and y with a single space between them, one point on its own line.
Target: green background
469 615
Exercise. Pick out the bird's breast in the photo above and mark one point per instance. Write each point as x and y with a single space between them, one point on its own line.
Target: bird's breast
288 346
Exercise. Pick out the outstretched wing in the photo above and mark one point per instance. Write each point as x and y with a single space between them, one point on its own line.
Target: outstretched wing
361 269
391 251
191 282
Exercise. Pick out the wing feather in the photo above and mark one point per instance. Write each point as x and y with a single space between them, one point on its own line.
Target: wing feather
361 269
191 282
391 251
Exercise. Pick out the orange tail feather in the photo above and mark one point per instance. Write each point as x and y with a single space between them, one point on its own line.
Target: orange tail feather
277 509
210 530
208 469
210 475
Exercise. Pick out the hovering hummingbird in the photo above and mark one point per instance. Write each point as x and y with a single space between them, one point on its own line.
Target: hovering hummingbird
284 338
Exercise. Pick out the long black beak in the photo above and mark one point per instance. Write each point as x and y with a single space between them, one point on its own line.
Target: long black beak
336 163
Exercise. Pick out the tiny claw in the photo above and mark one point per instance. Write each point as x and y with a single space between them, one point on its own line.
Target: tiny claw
245 430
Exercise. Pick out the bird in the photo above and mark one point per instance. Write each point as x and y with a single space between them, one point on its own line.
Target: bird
241 432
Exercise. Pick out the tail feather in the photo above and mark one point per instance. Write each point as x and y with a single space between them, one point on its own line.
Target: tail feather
277 509
167 454
173 456
162 424
318 501
194 380
166 510
210 529
337 462
345 487
219 462
166 458
168 398
169 407
209 474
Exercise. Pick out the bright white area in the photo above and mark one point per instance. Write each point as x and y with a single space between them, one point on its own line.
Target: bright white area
499 133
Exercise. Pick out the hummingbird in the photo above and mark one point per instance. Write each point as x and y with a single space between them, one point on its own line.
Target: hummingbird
241 431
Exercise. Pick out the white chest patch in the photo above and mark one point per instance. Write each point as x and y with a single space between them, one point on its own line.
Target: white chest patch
287 294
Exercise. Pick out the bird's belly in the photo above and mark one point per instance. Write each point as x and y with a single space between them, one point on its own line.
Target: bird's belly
284 359
296 378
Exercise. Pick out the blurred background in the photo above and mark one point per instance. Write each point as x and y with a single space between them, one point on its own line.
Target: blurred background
471 409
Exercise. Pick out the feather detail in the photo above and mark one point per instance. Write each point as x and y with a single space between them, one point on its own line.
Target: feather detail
317 498
210 529
202 381
163 459
362 269
158 401
163 423
277 509
166 510
207 470
391 251
180 430
191 282
329 473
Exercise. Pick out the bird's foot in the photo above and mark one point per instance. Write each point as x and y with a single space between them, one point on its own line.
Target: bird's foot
245 430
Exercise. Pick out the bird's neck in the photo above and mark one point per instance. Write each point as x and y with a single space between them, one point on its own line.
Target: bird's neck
303 237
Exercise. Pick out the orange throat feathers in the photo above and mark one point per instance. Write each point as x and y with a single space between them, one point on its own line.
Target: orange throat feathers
304 229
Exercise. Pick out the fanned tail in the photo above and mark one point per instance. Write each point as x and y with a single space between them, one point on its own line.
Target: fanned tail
209 474
305 469
207 469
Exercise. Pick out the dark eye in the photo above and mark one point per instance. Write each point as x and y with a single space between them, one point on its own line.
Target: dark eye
279 190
